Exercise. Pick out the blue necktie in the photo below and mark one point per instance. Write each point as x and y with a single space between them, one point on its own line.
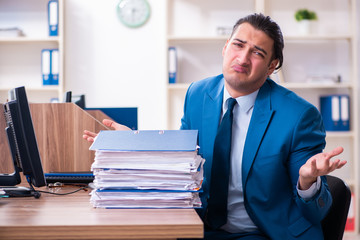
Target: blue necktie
220 171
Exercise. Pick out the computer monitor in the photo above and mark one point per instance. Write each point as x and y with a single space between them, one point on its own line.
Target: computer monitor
77 99
23 145
68 96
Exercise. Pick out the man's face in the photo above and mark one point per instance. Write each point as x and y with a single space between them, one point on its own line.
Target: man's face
247 60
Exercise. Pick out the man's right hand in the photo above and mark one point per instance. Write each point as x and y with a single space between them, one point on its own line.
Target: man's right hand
89 136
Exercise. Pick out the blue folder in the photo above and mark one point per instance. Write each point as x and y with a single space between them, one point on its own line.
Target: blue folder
54 67
172 64
46 66
53 17
146 140
335 110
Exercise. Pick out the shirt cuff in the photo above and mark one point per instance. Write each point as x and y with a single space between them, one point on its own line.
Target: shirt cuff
311 192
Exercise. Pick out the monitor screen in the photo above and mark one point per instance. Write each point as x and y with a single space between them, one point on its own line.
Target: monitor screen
77 99
22 141
67 96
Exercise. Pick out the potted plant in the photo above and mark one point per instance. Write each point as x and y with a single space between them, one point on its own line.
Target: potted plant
305 17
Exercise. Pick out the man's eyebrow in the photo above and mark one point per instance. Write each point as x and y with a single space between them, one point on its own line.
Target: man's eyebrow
257 47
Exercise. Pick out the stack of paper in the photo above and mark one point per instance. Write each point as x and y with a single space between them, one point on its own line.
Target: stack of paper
147 169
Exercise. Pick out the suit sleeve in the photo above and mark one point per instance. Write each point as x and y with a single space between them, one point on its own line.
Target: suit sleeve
308 140
185 122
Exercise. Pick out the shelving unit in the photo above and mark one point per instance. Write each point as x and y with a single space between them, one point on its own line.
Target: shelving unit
20 56
330 50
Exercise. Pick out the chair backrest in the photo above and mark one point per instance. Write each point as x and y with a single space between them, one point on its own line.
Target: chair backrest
333 224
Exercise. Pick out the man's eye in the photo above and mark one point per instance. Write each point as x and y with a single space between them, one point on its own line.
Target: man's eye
259 54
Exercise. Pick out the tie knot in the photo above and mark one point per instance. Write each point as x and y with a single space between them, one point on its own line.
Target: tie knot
231 103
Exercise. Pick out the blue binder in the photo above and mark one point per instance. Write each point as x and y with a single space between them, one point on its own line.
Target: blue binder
335 110
53 17
54 67
172 64
46 66
146 140
50 66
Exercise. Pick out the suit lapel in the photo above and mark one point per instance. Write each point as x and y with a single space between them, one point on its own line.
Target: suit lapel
260 120
211 117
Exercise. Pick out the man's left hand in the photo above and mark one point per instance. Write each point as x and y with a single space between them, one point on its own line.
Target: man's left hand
319 165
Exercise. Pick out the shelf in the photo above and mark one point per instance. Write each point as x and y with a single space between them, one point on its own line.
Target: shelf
178 86
38 89
21 58
29 39
309 85
340 134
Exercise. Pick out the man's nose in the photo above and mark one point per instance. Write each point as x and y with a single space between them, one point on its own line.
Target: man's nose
244 57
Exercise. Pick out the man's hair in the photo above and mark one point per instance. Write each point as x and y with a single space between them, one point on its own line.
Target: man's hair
270 28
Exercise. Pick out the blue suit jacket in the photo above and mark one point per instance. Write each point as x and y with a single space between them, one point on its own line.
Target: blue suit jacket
284 132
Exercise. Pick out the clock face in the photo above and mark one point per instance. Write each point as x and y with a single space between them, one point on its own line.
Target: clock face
133 13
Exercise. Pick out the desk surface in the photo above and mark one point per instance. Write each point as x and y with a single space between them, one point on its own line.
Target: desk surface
73 217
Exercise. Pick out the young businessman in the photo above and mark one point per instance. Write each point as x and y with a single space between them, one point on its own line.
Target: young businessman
275 187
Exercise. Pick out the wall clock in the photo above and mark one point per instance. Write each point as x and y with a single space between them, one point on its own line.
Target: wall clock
133 13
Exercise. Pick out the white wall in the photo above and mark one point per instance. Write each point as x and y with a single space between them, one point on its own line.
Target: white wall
116 66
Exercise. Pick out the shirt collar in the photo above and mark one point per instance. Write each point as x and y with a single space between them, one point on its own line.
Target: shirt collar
245 102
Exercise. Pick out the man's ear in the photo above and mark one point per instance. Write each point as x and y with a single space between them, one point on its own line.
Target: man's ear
224 48
272 66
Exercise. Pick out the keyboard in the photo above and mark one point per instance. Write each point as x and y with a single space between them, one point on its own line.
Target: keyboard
69 177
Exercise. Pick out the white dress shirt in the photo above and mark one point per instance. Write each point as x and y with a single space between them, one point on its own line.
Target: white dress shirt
238 219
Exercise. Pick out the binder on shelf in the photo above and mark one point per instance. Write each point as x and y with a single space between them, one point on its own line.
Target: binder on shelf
345 112
335 110
46 66
172 64
53 17
50 66
54 67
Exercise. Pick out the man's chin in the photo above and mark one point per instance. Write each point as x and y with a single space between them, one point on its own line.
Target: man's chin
236 78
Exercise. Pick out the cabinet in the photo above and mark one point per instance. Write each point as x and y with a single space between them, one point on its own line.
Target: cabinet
20 56
199 29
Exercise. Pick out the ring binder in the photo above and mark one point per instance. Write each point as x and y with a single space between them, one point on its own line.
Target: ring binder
50 66
46 66
54 67
335 112
53 17
172 64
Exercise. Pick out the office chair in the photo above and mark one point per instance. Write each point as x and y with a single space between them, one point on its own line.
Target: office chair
333 224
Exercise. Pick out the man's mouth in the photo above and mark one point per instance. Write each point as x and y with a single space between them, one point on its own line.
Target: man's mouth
240 68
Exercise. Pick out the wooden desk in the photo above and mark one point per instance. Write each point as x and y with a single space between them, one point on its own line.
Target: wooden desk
73 217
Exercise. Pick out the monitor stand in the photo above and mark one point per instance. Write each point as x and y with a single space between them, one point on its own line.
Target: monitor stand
8 182
19 191
8 186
